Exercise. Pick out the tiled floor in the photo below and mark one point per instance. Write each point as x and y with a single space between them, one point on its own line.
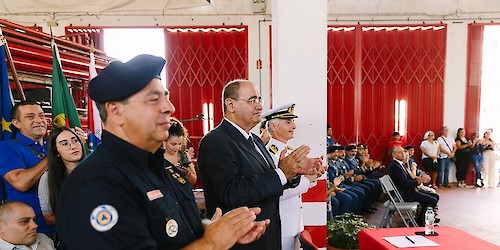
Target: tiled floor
473 210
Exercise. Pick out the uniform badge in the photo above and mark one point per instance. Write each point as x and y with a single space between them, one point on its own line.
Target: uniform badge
171 228
273 149
103 218
154 194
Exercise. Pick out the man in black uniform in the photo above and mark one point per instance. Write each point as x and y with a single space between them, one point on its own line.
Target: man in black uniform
121 197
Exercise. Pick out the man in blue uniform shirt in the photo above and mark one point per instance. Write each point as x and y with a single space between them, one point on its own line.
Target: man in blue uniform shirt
121 197
22 159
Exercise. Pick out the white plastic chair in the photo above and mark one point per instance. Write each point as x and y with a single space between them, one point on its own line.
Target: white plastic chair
396 203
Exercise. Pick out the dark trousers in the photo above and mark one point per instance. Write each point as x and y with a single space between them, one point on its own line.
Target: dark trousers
345 202
359 201
462 163
369 194
426 199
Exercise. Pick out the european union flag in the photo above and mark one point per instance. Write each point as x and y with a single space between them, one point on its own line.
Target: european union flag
5 97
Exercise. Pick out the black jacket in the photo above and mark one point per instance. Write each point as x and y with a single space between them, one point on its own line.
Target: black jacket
234 174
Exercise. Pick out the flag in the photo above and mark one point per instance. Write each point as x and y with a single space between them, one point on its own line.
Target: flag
63 107
5 95
95 124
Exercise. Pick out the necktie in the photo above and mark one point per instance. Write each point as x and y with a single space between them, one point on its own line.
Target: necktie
250 140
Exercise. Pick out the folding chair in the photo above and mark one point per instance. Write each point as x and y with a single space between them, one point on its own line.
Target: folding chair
306 241
396 203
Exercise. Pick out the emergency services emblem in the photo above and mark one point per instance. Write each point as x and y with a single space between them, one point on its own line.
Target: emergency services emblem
171 228
103 218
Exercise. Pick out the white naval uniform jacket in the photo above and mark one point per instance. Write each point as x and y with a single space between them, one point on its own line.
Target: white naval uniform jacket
290 201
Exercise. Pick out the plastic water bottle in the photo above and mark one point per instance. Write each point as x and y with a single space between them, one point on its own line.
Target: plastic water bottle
429 221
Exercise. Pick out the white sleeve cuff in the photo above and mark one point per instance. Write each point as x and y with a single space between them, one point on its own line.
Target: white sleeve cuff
282 176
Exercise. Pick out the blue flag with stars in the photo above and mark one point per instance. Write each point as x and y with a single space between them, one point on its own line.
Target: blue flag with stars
5 98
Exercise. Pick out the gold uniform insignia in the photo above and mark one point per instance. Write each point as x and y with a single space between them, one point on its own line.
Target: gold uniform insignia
273 149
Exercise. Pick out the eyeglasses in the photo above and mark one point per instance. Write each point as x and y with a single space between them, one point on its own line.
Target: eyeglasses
253 100
65 144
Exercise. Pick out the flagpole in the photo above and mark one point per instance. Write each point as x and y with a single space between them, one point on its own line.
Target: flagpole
12 67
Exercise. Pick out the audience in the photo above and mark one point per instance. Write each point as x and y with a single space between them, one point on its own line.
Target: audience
65 151
447 150
349 162
489 159
463 156
176 152
354 164
368 165
430 153
340 184
18 229
23 159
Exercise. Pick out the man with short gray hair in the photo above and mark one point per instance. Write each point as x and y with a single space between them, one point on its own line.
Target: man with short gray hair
18 228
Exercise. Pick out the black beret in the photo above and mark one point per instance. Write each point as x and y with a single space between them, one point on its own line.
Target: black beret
340 147
120 80
350 147
408 147
331 149
361 145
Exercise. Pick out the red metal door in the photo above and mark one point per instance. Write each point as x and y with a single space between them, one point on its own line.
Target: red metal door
200 61
396 63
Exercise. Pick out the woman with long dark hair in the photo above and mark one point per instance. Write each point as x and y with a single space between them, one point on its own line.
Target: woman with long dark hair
176 152
463 156
64 152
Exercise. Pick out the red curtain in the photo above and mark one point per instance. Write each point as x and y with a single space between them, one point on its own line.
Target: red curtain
200 61
340 87
396 63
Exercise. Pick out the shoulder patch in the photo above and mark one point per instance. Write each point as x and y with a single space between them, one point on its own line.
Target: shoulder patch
103 218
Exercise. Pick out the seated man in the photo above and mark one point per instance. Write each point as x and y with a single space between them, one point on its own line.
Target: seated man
336 172
407 186
18 228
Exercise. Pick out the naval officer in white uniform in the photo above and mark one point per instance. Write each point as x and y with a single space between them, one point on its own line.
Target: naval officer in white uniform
281 127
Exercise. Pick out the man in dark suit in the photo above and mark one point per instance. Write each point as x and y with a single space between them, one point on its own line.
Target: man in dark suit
237 170
407 186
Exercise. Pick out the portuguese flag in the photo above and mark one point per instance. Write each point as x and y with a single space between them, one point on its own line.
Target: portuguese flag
63 107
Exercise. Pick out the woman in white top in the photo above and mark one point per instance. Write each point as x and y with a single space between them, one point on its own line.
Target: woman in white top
430 153
64 152
489 159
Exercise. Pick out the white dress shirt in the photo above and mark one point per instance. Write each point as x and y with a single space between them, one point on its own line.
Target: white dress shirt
42 243
278 170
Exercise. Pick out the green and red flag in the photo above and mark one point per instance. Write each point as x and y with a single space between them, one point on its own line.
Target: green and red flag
63 106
